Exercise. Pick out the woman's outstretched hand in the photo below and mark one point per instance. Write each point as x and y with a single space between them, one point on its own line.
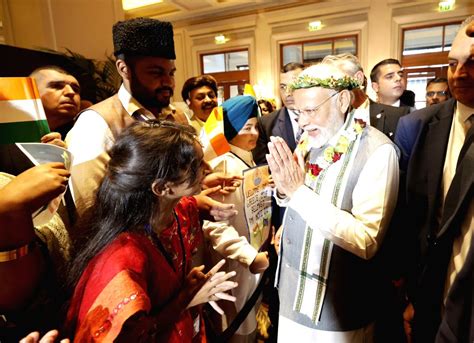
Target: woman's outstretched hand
211 286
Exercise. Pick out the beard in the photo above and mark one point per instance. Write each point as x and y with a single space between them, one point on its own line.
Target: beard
159 100
151 98
325 134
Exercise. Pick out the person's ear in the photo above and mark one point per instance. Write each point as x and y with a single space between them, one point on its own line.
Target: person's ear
123 69
188 102
359 76
344 100
375 86
160 190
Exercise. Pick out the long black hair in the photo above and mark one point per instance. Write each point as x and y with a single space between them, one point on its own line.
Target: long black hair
143 153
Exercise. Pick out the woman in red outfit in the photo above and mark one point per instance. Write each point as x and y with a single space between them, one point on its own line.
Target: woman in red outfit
134 281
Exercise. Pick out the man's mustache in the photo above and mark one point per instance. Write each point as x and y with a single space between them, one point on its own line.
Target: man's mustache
209 105
166 88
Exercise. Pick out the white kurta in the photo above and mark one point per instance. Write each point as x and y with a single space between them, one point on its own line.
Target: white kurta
230 239
359 232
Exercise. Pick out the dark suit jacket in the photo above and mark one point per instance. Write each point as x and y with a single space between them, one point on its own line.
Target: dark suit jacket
385 118
424 178
458 320
277 123
409 127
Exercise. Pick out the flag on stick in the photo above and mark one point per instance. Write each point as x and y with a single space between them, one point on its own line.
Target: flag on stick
22 117
212 135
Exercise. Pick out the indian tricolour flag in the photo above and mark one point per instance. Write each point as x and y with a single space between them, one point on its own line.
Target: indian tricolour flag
22 117
212 135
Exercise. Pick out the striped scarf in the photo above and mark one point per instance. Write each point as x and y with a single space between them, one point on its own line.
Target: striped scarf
328 169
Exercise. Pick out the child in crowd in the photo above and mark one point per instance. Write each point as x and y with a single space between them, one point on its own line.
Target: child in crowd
232 239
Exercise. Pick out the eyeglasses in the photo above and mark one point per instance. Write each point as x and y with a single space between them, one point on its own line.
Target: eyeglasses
439 93
311 112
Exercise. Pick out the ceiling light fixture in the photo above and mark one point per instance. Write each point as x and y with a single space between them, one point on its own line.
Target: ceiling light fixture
132 4
447 5
221 39
315 25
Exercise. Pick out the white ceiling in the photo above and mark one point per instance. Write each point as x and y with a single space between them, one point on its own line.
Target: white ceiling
199 11
195 10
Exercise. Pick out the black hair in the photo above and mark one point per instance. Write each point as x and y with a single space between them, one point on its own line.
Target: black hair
408 98
437 80
143 154
49 67
196 82
374 73
267 103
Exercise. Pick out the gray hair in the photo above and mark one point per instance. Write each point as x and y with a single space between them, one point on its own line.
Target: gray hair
466 22
347 63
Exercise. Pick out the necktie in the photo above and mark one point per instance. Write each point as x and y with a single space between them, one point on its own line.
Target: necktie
469 139
469 122
298 135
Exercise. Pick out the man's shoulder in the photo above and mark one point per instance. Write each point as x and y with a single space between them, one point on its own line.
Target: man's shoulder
377 137
89 133
87 120
106 103
391 111
427 114
269 119
98 108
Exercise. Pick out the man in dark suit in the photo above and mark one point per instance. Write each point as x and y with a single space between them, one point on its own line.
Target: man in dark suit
389 83
458 323
283 122
385 117
439 191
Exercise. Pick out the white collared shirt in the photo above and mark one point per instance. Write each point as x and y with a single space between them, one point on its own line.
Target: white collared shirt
129 102
396 103
462 241
131 105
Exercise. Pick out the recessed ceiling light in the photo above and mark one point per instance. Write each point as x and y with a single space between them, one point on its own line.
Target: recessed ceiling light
132 4
315 25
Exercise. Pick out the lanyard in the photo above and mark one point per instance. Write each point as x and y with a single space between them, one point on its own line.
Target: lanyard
156 241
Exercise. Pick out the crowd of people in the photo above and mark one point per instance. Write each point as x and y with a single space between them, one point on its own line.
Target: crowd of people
371 212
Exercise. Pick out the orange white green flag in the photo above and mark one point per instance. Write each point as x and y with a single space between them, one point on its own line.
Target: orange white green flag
212 136
22 117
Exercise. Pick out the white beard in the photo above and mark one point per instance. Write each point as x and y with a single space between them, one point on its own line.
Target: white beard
325 134
322 138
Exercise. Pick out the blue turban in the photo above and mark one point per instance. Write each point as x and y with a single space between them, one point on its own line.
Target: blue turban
237 111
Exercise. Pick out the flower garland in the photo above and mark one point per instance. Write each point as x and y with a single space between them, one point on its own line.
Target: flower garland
306 81
332 153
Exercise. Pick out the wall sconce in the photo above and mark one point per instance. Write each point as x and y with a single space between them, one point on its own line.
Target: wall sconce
221 39
315 25
447 5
